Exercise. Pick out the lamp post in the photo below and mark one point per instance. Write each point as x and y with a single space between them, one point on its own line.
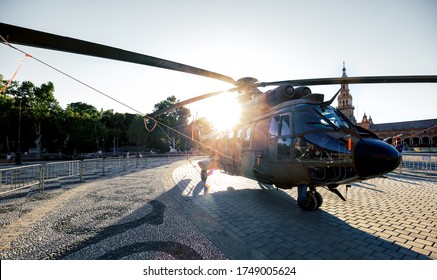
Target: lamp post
18 153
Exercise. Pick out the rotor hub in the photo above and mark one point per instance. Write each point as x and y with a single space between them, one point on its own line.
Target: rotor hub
247 85
246 81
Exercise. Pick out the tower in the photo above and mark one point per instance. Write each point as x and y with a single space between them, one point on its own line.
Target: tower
366 122
345 100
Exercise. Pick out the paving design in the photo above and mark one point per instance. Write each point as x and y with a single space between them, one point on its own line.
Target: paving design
131 216
166 212
384 218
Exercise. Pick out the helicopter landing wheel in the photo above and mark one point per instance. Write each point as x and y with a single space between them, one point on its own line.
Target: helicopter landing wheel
309 203
203 175
318 198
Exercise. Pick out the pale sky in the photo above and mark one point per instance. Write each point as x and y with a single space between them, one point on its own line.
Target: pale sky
269 40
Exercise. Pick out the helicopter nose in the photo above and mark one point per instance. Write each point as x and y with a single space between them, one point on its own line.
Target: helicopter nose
375 157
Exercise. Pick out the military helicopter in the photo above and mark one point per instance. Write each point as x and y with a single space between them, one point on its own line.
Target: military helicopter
287 137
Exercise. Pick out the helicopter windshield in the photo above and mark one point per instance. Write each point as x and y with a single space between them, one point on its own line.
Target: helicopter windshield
315 118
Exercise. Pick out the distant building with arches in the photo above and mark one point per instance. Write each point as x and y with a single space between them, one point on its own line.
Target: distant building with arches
420 133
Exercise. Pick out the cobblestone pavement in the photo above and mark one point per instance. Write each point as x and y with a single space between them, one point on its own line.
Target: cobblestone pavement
166 212
385 218
130 216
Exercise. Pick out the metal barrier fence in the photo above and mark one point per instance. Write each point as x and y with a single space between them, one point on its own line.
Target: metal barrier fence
419 161
15 178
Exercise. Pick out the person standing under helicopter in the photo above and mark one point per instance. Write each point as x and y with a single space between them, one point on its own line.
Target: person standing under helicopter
399 148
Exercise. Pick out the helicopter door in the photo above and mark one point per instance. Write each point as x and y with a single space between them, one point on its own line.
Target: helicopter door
260 151
279 138
246 152
272 137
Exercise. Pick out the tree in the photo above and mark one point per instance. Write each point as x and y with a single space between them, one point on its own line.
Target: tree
39 110
84 127
163 137
201 128
117 125
81 127
43 108
7 103
137 134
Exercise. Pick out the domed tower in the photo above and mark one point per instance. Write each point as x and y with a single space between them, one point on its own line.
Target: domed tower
345 100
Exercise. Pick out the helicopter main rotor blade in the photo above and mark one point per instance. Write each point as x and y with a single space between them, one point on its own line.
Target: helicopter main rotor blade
34 38
185 102
354 80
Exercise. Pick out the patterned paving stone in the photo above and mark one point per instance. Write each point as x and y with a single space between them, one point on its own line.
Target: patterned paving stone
166 212
392 217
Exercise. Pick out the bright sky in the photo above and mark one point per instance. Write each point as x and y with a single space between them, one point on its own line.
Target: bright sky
269 40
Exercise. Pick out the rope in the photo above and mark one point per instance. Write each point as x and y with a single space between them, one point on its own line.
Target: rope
119 102
188 137
16 71
71 77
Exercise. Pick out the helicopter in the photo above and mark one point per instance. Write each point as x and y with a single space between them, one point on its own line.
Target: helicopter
287 136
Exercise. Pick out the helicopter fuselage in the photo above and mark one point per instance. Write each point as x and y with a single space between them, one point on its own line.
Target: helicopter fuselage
301 142
287 136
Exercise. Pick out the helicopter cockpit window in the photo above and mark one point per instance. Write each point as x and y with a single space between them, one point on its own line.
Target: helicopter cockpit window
312 118
285 125
333 118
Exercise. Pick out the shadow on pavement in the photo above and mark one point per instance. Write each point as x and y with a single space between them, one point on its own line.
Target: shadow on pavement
270 222
242 223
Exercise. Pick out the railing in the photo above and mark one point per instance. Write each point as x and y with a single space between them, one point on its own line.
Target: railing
419 161
15 178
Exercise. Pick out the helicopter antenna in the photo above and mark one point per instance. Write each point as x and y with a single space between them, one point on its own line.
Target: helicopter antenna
327 103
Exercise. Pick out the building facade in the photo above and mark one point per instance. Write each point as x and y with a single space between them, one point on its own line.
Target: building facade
420 133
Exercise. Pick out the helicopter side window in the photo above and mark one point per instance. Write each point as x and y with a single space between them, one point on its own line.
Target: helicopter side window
239 135
306 151
284 148
284 141
246 139
319 146
274 127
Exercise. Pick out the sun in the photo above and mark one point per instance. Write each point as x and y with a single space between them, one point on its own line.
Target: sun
222 111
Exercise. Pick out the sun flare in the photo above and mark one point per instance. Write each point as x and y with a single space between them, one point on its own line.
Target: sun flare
222 111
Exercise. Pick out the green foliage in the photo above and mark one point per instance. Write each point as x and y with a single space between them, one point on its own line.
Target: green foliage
39 112
84 128
162 137
81 127
136 133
